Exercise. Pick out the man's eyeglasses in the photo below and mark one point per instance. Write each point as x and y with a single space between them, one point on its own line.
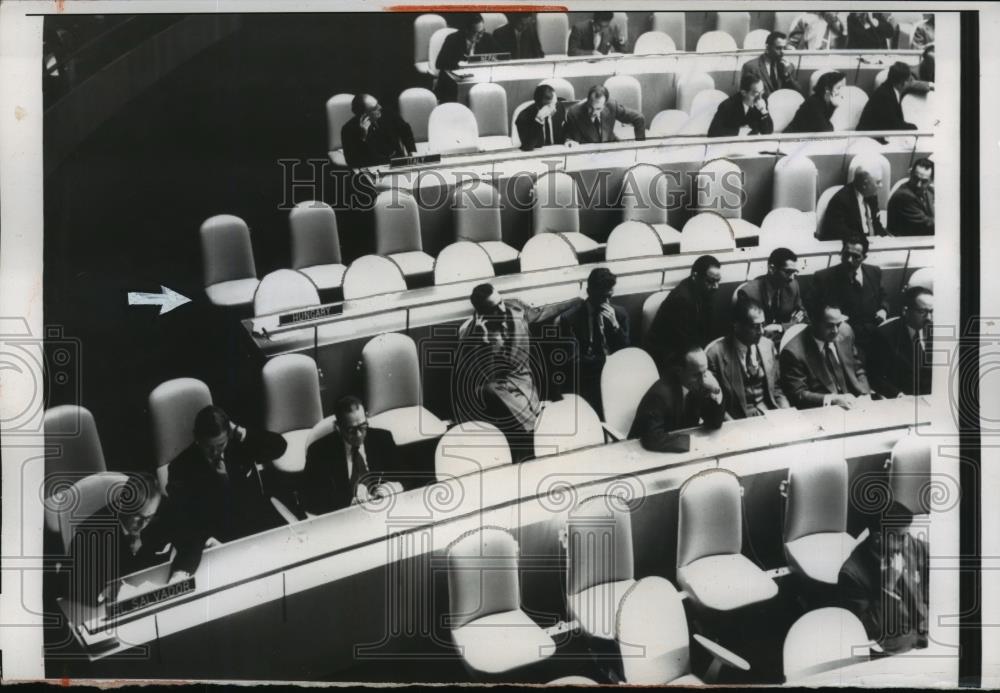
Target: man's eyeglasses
354 430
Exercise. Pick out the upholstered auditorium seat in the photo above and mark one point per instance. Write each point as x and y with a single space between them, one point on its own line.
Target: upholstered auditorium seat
476 209
338 112
706 232
452 129
173 406
568 424
563 87
716 42
371 275
755 40
824 640
553 33
397 232
848 113
626 90
667 123
468 448
795 179
434 48
736 24
547 251
782 105
672 24
557 209
703 107
462 261
424 27
654 43
632 239
73 502
316 244
228 268
284 290
292 405
689 85
488 103
415 106
922 277
645 197
910 474
627 376
73 446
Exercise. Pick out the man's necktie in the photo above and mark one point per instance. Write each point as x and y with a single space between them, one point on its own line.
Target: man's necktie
358 469
774 307
774 75
597 339
547 127
835 369
869 227
752 367
597 127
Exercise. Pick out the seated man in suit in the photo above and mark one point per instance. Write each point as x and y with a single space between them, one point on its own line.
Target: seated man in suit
899 362
870 30
817 31
596 36
349 465
519 37
599 328
470 39
743 113
771 67
820 366
372 137
813 115
687 396
778 292
854 208
594 119
685 316
745 365
856 287
543 122
216 486
911 207
883 110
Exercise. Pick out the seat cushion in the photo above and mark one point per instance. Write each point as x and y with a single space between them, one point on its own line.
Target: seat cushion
409 424
337 157
494 142
413 262
499 251
726 582
501 642
423 67
294 459
238 292
596 608
820 556
580 242
325 276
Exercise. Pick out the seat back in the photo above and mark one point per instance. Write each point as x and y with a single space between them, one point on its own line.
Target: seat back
719 188
848 113
547 251
424 27
415 107
632 239
556 203
786 227
828 636
482 575
315 239
667 123
897 185
789 335
710 519
755 40
715 42
598 543
488 102
226 252
627 376
338 112
553 32
493 21
291 393
397 223
870 160
703 108
283 290
736 24
910 474
470 448
784 21
625 89
689 86
462 261
923 277
650 307
644 194
391 372
73 446
655 651
434 47
452 128
782 105
905 36
515 137
817 498
654 43
814 77
371 275
72 503
568 424
476 208
173 406
919 109
707 231
881 77
823 202
795 183
619 23
673 24
563 88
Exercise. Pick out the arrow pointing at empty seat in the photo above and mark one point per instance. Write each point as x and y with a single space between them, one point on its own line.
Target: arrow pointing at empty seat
167 299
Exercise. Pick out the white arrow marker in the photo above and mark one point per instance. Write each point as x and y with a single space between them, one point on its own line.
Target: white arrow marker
168 299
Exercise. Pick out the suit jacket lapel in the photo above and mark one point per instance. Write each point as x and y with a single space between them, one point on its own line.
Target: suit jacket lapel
847 365
818 364
732 369
767 363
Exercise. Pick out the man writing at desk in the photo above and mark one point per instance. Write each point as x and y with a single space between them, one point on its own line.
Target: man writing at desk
470 39
593 120
596 36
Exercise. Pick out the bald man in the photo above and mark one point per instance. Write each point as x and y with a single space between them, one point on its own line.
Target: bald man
854 209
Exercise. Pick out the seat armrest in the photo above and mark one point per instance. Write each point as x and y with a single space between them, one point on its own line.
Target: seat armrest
287 515
611 434
861 538
721 654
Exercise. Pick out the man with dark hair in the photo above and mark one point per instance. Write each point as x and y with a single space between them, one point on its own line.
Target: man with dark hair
820 366
911 207
599 328
594 120
349 465
596 36
883 110
814 114
688 395
870 30
743 113
770 67
372 136
778 293
899 362
519 37
215 483
856 287
853 210
926 69
685 316
543 123
470 39
745 365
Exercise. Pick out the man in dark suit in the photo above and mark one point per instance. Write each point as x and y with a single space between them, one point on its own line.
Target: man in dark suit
685 316
771 67
820 366
470 39
856 287
883 110
814 114
599 328
595 36
216 486
778 292
743 113
869 30
911 207
594 119
854 208
689 395
899 362
519 37
543 122
372 137
745 365
351 465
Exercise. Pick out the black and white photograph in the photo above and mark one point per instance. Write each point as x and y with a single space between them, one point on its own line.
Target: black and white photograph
541 344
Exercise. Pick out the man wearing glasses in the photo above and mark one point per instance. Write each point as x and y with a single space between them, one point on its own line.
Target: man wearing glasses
350 464
685 316
373 137
778 292
900 357
745 112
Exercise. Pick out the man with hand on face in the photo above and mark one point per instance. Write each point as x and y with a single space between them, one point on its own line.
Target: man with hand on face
883 111
519 37
778 293
900 355
814 114
911 207
687 396
771 68
856 287
743 113
685 316
543 123
594 119
595 36
854 208
373 137
350 464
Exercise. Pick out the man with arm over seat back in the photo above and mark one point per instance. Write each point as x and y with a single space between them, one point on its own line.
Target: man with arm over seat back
899 362
594 120
883 110
771 67
813 115
595 36
856 287
745 112
911 207
685 316
519 37
372 136
542 123
778 293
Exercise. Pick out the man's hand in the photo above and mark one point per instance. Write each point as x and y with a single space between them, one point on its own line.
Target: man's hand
773 329
761 105
544 112
712 388
237 431
880 316
843 401
361 495
608 311
178 575
212 542
365 122
387 488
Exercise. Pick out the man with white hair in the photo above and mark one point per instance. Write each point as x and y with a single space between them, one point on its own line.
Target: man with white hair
854 208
